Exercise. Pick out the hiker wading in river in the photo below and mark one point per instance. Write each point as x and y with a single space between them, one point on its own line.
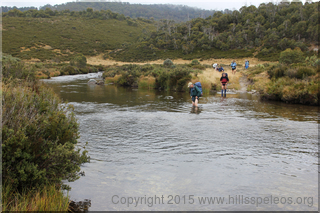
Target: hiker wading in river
195 93
224 81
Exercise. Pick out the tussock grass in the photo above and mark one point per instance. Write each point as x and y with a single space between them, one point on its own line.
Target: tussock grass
210 79
49 198
148 82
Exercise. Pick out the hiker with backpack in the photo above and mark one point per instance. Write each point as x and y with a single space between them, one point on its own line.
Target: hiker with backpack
220 69
233 67
246 64
224 81
195 92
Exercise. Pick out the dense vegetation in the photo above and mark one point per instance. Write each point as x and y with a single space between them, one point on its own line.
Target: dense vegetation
270 28
39 137
294 82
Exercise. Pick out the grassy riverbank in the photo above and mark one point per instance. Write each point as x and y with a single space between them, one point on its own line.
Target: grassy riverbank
296 84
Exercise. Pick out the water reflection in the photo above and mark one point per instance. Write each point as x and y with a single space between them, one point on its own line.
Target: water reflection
196 110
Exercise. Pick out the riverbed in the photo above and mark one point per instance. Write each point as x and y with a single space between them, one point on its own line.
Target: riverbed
151 150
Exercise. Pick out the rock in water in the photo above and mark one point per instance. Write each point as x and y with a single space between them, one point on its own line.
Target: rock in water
92 81
100 83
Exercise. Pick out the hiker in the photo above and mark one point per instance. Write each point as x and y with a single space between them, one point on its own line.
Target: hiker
220 69
246 64
234 67
224 81
215 66
195 93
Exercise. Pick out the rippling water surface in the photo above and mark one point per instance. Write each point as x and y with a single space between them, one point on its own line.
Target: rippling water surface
151 143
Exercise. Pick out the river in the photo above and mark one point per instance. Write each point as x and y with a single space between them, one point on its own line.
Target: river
150 150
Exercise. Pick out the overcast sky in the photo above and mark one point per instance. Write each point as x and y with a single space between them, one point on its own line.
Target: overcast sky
203 4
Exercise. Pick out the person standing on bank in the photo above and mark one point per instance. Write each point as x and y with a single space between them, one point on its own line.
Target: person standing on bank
246 64
234 67
195 93
224 81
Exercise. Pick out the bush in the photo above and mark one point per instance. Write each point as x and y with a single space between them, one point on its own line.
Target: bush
304 72
79 61
14 68
84 70
290 56
69 70
291 73
127 80
38 138
195 62
277 71
167 63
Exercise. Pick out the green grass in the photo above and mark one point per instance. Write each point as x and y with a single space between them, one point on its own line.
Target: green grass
68 34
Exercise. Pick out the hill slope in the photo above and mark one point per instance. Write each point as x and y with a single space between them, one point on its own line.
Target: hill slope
58 37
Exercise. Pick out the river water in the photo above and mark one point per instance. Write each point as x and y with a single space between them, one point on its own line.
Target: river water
150 150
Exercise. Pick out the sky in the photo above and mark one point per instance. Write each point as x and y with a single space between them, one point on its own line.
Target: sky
202 4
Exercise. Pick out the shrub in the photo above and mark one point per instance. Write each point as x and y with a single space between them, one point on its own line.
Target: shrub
14 68
290 56
195 62
38 137
277 71
167 63
79 61
127 80
304 72
69 70
291 73
84 70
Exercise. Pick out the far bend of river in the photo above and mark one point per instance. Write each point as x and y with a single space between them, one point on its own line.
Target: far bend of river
152 146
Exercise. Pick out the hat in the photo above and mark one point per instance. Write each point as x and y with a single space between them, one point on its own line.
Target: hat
189 84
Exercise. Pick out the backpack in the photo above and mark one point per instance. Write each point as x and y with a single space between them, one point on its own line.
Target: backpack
198 84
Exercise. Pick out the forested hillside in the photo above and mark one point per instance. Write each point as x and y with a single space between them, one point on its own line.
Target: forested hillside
177 13
5 9
268 29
